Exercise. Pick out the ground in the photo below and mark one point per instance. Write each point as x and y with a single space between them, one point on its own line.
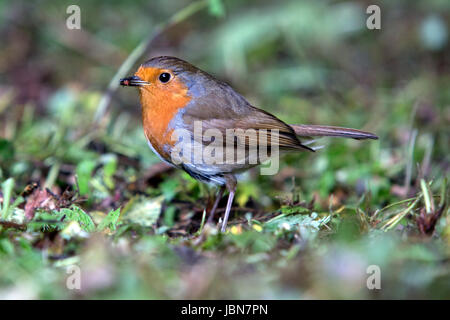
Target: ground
88 211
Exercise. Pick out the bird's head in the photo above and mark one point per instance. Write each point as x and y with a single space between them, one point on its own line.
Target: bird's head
165 77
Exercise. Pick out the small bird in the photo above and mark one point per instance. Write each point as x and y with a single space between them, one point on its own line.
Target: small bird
176 97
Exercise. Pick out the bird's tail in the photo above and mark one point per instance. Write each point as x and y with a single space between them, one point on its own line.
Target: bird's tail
306 130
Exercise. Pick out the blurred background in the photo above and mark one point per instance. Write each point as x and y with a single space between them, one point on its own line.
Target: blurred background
79 185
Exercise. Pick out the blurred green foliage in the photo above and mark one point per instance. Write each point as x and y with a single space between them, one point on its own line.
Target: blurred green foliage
135 228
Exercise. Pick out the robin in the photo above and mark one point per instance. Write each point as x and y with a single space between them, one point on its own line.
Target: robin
182 105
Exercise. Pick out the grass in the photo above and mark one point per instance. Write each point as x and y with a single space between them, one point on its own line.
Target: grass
89 193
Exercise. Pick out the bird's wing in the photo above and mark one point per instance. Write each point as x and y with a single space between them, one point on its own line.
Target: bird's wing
238 114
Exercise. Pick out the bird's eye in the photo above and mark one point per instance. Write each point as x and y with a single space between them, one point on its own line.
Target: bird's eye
164 77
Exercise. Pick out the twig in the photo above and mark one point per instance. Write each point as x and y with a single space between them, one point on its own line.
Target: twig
137 53
13 225
202 223
220 210
7 187
409 163
427 198
396 219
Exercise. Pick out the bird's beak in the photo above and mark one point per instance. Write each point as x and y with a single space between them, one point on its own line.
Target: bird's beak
133 81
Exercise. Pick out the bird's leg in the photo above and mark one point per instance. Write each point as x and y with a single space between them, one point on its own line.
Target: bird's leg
227 211
216 204
231 186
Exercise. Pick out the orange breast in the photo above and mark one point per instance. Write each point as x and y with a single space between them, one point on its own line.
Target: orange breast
159 106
